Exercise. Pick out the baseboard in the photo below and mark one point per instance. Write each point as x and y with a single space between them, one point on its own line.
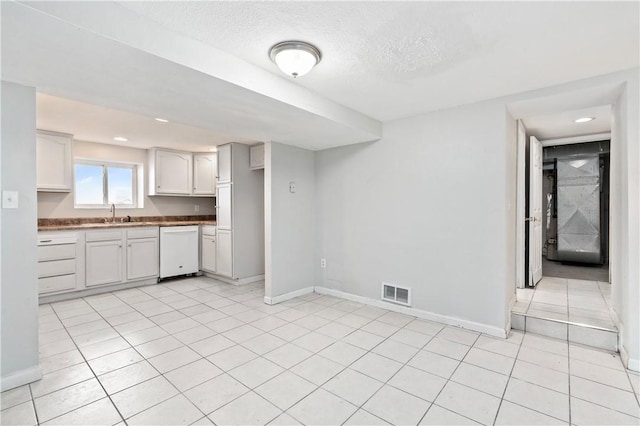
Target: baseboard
95 290
457 322
633 364
287 296
20 378
239 281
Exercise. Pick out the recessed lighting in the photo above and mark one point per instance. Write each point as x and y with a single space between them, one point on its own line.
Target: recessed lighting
162 120
120 139
584 119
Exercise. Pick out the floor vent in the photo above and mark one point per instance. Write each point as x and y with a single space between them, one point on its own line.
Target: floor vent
396 294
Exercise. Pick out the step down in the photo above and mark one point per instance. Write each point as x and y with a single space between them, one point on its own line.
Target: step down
583 334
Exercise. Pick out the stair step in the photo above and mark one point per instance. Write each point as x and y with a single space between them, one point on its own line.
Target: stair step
583 334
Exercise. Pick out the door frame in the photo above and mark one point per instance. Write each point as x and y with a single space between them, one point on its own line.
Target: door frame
521 188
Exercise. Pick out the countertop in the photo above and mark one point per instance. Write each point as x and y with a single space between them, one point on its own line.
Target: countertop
98 223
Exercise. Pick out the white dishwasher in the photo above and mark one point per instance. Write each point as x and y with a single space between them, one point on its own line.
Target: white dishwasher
178 250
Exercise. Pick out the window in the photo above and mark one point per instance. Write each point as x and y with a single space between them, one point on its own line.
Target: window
102 184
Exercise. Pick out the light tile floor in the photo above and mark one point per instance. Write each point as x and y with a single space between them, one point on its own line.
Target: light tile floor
197 351
576 301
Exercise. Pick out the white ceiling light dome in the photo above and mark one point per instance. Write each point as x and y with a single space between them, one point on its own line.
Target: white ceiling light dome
295 58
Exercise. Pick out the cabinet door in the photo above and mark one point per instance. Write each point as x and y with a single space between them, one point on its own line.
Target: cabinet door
103 262
223 206
224 163
256 157
224 253
54 162
205 168
142 258
208 253
173 172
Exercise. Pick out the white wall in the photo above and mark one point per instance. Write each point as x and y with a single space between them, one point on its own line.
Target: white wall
19 293
289 220
430 206
53 205
625 211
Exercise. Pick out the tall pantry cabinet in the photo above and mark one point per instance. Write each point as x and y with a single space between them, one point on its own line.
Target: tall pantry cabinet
239 216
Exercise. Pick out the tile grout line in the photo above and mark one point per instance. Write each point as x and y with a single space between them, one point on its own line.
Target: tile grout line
504 392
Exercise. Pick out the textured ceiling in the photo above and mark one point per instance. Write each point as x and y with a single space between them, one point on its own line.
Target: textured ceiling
205 64
395 59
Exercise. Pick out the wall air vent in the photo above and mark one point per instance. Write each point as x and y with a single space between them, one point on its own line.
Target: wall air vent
396 294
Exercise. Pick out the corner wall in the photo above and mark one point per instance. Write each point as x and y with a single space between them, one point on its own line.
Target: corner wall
430 207
19 292
289 222
625 211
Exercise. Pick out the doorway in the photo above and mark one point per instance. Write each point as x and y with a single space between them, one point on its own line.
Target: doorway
568 200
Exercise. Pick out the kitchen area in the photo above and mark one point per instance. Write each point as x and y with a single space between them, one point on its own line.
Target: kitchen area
118 216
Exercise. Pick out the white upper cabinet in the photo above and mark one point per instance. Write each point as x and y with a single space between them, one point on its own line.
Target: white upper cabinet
205 168
170 172
256 157
224 163
54 162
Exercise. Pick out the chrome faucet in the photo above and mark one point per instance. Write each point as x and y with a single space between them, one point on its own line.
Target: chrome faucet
112 209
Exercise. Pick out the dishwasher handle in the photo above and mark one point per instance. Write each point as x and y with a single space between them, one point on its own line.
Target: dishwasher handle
179 231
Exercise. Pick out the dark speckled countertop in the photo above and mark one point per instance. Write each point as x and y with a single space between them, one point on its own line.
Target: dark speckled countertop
79 223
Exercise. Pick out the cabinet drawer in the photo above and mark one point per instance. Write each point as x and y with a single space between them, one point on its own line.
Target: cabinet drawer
55 252
151 232
62 282
56 267
104 235
208 230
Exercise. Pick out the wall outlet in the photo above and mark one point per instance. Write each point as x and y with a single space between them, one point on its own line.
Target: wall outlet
292 187
196 208
323 263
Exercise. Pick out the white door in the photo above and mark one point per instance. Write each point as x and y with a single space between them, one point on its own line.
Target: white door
173 172
204 174
142 258
104 262
209 253
224 163
535 211
223 206
224 253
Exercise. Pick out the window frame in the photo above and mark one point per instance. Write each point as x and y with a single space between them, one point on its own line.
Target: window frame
135 168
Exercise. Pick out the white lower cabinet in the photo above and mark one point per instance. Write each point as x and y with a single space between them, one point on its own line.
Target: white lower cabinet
208 249
91 259
104 262
224 253
142 258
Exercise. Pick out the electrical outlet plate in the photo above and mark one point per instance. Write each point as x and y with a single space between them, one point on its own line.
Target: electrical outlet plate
323 263
9 199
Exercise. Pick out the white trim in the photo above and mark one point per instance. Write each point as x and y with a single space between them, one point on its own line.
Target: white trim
287 296
521 140
469 325
20 378
234 281
633 364
577 139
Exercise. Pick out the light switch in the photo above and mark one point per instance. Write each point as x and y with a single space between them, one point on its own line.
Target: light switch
292 187
9 199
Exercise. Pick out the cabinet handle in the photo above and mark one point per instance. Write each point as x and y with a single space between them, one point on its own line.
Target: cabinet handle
129 245
45 241
120 245
158 186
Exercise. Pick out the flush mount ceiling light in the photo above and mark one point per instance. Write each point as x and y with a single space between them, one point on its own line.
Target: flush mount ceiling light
162 120
583 119
120 139
295 58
